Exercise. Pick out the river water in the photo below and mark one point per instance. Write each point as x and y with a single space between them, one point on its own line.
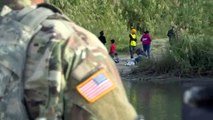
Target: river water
155 101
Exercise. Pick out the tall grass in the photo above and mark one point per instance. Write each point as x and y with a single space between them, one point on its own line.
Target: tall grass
191 55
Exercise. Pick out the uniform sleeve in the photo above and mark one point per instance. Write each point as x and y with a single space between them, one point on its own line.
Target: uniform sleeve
43 75
94 90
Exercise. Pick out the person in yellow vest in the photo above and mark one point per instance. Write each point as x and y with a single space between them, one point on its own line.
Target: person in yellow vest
132 42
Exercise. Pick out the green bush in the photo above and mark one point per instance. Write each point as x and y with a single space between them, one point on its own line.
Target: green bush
191 55
195 54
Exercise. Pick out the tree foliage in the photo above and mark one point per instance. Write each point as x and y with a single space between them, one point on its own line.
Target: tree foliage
191 16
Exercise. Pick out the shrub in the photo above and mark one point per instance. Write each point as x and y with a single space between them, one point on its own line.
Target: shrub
191 55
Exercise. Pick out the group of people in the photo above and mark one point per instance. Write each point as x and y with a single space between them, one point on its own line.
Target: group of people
144 50
145 41
140 52
112 50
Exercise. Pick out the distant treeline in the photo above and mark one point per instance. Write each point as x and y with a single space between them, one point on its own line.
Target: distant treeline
191 16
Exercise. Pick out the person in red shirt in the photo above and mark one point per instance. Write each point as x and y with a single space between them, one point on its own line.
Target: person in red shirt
112 50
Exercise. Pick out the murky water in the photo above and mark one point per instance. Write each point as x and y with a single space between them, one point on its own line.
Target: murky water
155 102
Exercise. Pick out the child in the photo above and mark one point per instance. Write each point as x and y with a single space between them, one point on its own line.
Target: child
112 51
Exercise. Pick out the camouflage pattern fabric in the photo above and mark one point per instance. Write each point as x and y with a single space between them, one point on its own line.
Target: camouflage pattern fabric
61 56
13 44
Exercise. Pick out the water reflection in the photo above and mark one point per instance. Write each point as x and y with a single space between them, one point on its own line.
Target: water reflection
155 102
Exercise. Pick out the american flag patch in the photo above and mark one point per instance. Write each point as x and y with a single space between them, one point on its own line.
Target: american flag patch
96 86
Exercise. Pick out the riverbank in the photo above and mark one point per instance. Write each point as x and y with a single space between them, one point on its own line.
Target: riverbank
136 74
130 73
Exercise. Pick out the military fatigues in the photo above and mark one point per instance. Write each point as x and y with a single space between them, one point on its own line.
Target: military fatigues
62 56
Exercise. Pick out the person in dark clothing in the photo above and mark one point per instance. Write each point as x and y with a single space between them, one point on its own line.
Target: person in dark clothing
171 35
116 58
102 38
140 54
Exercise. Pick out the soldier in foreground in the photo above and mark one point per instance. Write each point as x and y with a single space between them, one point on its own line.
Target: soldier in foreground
52 69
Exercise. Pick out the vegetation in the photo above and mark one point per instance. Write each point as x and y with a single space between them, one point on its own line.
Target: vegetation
193 51
190 56
192 19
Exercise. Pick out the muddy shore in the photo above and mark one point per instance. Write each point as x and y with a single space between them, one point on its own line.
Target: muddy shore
127 74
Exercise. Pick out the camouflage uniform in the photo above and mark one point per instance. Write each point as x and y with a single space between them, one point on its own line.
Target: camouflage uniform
61 56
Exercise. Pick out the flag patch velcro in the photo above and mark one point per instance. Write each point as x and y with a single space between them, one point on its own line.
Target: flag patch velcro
96 86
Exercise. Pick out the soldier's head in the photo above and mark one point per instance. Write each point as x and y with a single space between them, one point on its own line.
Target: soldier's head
18 4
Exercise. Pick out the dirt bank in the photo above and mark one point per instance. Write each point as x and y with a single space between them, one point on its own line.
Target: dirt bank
127 74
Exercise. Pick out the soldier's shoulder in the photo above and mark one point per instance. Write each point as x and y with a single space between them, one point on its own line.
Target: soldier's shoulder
51 7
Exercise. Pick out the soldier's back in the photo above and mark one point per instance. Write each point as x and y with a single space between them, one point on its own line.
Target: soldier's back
68 74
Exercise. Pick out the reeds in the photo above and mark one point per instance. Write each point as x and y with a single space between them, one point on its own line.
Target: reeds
190 55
